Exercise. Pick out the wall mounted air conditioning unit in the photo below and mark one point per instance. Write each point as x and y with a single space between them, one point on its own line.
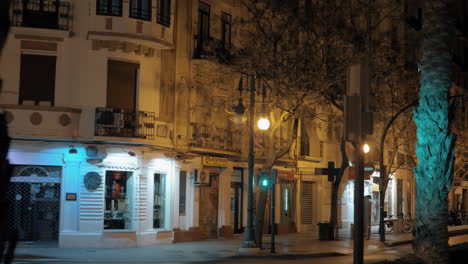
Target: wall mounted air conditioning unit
202 177
111 118
94 155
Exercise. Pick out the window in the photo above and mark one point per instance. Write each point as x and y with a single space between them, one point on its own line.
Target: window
122 82
182 190
311 146
159 199
203 28
37 80
164 12
225 30
140 9
109 7
119 200
305 141
203 21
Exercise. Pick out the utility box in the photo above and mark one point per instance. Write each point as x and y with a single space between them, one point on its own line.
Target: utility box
324 230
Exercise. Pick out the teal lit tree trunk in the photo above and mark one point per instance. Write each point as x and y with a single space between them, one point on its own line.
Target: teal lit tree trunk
435 146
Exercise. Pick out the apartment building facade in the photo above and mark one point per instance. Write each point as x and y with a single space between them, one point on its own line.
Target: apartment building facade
124 134
91 121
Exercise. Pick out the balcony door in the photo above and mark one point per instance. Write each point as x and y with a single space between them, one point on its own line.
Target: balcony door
37 80
122 83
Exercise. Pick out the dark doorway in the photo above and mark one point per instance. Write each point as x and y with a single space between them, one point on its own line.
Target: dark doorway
209 208
237 200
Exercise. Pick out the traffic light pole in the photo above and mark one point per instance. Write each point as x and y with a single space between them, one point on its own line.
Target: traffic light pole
274 174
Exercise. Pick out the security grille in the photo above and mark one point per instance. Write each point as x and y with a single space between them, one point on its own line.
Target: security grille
34 202
306 202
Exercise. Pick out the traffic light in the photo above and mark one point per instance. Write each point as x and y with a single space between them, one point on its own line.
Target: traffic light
264 180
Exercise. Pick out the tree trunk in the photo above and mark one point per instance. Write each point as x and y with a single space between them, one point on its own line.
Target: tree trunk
335 190
260 216
435 147
6 252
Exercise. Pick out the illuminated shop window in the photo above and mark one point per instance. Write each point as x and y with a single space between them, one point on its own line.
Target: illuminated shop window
119 200
159 200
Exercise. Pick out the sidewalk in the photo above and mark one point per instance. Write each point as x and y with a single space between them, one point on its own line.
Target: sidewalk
305 244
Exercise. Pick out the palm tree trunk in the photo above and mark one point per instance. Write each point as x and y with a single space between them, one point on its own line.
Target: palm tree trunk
435 145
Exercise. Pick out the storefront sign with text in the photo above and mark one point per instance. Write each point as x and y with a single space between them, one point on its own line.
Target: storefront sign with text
214 161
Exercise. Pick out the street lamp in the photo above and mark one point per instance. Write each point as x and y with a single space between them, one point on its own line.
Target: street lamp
263 123
366 148
248 245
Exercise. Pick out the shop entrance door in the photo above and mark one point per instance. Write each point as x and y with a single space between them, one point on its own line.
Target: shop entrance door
287 206
34 196
209 208
399 197
236 206
307 208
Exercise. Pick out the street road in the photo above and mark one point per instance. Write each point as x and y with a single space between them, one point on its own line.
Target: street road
377 255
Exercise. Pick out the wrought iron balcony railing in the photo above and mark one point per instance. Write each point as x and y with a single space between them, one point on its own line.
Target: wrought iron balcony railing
211 137
51 14
116 122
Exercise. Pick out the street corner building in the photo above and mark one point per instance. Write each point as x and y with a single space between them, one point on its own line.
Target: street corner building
123 133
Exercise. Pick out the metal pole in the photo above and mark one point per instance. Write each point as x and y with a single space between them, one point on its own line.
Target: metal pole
382 201
249 231
273 203
358 239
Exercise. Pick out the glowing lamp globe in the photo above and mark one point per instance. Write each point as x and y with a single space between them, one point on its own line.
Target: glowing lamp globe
263 123
366 148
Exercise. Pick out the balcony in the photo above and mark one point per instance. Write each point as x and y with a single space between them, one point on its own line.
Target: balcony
215 138
42 122
50 14
116 122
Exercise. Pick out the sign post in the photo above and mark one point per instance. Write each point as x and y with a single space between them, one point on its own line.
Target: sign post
274 173
358 124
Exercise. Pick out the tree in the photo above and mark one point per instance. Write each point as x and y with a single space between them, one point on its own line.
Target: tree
435 145
302 51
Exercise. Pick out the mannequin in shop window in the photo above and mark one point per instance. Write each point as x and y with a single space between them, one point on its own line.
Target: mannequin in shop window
114 192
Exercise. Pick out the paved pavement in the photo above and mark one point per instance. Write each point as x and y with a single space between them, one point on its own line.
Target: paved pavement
290 248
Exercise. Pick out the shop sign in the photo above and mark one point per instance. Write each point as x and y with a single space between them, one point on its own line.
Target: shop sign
287 175
368 170
214 161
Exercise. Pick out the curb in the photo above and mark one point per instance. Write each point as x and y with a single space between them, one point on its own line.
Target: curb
398 243
278 256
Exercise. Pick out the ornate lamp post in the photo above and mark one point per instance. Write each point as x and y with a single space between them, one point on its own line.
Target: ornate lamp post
248 245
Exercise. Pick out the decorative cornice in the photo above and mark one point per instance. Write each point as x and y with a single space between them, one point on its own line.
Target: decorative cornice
41 108
132 36
124 46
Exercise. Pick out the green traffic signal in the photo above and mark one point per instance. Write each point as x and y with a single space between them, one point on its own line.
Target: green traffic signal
265 183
